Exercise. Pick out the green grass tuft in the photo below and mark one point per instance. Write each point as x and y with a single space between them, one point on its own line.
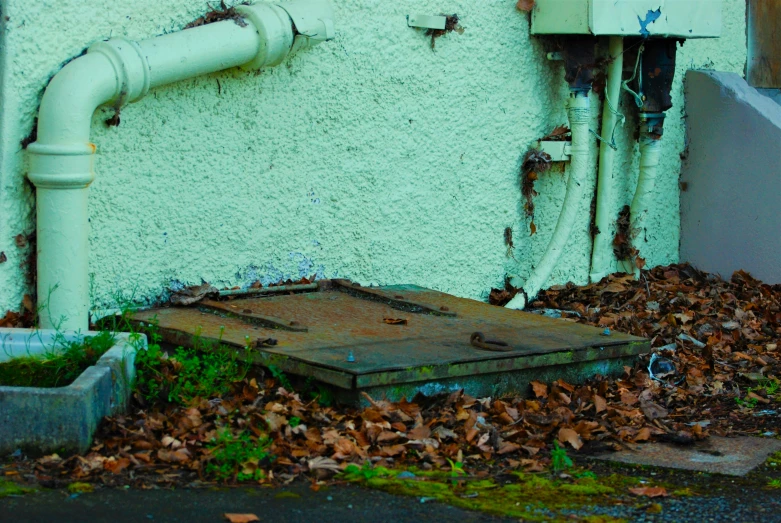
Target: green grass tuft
58 367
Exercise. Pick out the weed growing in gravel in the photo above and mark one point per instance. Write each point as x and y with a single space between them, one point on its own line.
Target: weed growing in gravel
770 386
456 468
186 374
559 459
748 403
355 473
280 377
767 387
318 391
240 457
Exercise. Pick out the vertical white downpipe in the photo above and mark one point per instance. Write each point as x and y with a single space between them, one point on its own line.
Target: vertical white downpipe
579 113
602 259
650 151
116 72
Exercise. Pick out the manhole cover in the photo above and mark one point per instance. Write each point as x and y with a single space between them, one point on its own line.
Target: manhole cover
398 340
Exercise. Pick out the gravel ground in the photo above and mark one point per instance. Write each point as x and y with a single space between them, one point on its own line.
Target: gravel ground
735 499
696 496
298 503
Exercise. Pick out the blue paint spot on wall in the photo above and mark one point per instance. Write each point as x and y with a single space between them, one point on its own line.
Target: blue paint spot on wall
650 17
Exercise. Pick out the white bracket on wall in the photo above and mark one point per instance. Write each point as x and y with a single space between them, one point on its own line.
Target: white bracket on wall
426 21
558 151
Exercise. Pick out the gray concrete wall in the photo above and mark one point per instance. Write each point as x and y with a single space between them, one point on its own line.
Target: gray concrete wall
731 177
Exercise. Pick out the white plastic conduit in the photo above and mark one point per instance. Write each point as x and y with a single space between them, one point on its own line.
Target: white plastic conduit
116 72
579 115
602 259
650 151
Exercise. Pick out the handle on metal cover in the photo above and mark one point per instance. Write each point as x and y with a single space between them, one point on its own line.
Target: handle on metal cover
477 340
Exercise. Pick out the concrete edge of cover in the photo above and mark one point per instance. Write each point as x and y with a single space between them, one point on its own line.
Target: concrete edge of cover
42 420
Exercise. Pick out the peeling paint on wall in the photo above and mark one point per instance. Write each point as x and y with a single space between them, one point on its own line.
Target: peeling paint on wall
650 17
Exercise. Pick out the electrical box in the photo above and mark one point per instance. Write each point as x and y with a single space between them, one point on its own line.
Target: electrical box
662 18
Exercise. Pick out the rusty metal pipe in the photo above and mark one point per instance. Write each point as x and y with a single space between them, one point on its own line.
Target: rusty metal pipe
276 289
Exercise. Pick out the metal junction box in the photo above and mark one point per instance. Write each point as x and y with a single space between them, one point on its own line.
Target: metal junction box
664 18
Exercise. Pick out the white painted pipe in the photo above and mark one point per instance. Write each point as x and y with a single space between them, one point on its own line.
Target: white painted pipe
650 151
602 258
116 72
579 113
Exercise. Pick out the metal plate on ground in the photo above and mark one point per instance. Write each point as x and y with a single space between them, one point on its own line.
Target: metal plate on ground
729 456
361 337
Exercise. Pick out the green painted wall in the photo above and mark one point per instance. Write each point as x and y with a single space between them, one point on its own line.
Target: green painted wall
370 157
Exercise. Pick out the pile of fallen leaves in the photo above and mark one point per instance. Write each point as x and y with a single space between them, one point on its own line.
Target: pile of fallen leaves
721 336
719 339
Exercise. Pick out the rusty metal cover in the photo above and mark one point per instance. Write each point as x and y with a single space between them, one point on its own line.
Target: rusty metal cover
356 337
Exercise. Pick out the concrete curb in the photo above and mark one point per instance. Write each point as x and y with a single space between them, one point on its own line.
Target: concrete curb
64 419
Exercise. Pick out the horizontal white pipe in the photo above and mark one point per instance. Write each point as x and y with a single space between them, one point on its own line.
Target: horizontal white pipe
650 152
602 259
187 54
579 115
117 72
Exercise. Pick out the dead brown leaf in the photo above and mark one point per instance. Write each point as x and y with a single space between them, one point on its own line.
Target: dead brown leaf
394 321
567 435
650 492
599 403
540 389
241 518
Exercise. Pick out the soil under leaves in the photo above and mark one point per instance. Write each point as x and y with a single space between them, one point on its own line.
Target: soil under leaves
721 338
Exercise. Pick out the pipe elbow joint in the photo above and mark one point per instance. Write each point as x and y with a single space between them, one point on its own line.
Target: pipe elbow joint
288 27
130 66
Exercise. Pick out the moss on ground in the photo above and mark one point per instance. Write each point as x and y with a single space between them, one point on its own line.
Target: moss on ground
11 488
531 497
81 488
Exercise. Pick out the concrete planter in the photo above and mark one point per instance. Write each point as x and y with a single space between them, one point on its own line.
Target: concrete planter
63 419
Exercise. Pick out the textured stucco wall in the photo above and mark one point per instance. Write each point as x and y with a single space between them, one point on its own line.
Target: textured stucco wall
370 157
729 217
